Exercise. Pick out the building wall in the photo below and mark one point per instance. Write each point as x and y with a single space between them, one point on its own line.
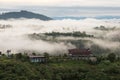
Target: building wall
37 59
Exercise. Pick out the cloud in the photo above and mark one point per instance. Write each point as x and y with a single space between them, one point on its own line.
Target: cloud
15 38
114 3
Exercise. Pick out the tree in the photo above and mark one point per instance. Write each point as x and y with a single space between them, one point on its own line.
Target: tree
22 57
111 57
34 54
46 56
19 56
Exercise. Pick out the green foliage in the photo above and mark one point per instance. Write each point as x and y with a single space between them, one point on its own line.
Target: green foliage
74 34
46 55
112 57
21 69
33 54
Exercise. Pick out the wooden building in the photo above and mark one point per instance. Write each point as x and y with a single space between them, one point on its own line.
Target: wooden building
78 54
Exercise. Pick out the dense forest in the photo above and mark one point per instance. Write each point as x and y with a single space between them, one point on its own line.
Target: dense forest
54 35
18 67
72 34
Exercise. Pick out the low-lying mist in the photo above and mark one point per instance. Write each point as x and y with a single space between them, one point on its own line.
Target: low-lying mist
15 37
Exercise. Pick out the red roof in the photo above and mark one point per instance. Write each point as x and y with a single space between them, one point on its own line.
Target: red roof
79 51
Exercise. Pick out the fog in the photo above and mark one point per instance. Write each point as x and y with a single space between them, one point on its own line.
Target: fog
15 37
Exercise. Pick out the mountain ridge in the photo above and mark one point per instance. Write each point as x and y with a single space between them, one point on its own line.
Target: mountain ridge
23 14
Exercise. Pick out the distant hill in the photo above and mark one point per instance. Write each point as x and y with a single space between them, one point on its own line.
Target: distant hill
24 14
75 18
97 17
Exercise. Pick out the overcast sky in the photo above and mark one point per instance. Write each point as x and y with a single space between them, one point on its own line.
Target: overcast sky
108 3
55 8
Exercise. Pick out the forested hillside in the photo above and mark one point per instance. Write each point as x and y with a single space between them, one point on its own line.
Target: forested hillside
18 67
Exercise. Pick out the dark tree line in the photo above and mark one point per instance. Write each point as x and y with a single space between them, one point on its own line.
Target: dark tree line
73 34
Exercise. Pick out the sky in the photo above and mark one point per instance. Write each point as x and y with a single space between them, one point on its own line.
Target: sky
111 3
60 8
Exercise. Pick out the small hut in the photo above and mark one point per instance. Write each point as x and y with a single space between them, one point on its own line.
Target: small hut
37 59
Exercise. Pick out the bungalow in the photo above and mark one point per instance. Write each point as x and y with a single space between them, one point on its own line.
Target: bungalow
78 54
37 59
